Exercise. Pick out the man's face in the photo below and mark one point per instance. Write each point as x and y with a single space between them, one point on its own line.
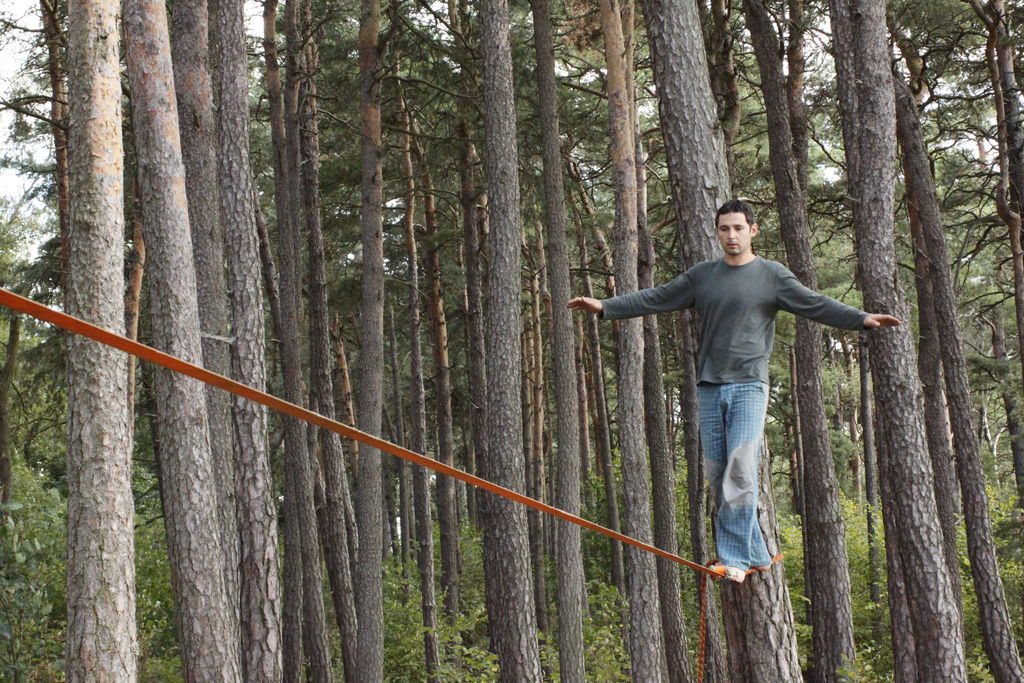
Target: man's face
735 234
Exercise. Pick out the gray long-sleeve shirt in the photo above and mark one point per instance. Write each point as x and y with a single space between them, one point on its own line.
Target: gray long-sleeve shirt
737 306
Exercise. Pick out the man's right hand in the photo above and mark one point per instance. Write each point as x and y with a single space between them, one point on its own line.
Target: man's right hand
585 303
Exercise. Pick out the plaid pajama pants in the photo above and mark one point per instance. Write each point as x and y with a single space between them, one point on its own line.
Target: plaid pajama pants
731 428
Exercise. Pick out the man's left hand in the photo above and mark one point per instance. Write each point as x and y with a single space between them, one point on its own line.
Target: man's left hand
880 320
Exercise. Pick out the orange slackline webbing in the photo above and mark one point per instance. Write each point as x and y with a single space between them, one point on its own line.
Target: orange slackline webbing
80 327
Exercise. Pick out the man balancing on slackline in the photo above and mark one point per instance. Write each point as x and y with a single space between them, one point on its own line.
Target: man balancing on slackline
737 297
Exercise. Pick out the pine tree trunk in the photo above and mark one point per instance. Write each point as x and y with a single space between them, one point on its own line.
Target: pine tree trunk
828 579
1011 405
861 50
870 481
369 579
257 516
424 528
571 595
1010 131
663 476
719 39
333 530
697 489
197 125
698 175
535 442
509 594
100 640
602 423
446 504
929 367
6 381
207 621
996 629
59 129
136 263
646 646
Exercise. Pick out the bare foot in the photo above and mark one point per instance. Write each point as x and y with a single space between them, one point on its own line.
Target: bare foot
734 574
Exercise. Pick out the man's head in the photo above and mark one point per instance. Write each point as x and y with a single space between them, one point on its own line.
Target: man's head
736 227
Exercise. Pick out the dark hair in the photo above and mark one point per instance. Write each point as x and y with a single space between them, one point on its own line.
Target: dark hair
736 206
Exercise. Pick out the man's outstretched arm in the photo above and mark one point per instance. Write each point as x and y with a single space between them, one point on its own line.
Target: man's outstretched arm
670 296
795 298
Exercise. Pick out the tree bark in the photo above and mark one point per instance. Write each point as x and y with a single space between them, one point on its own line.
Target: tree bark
759 618
369 579
719 38
207 621
828 588
418 420
55 40
663 476
1010 133
997 632
929 367
571 595
861 51
646 646
100 640
337 498
697 489
197 126
257 518
698 174
6 381
446 504
509 594
870 479
534 425
1011 405
602 423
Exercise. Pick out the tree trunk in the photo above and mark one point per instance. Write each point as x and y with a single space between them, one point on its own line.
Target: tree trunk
698 174
828 579
1010 132
133 299
602 423
870 481
509 594
697 489
996 629
418 420
663 476
55 40
646 646
796 64
1012 407
446 505
758 618
207 621
861 50
722 71
571 595
257 517
534 425
100 641
337 499
929 367
197 126
6 381
369 579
